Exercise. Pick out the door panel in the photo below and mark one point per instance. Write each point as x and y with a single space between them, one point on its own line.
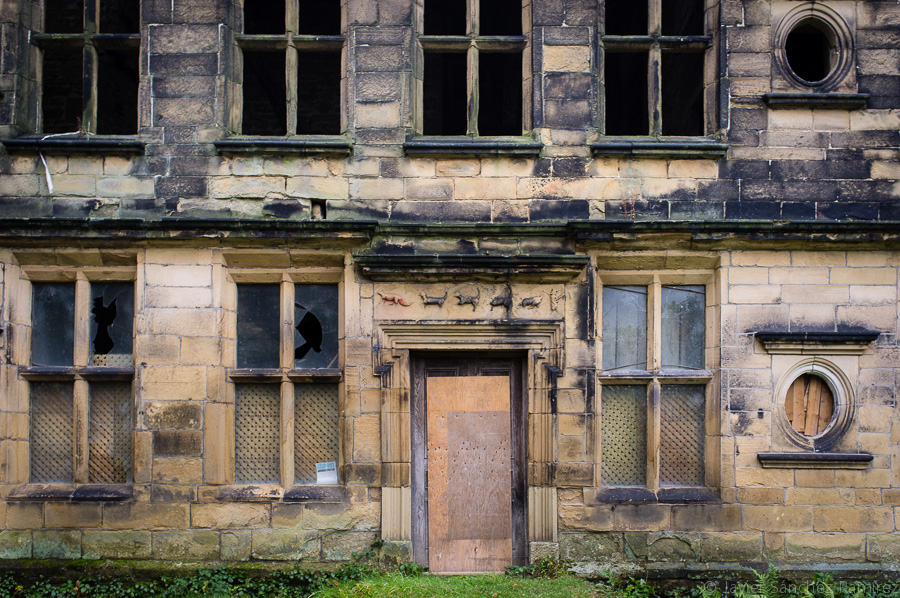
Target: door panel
469 475
468 463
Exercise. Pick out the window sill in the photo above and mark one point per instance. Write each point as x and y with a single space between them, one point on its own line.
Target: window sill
660 147
51 373
662 496
815 460
834 101
73 492
87 144
272 493
333 145
274 374
473 146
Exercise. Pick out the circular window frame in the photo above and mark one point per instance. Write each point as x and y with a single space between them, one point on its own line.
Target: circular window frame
844 404
843 41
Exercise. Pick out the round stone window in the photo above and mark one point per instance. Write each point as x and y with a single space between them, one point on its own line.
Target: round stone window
809 405
813 46
816 402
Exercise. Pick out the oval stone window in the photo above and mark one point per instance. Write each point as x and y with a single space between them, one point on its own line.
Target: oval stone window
809 405
811 50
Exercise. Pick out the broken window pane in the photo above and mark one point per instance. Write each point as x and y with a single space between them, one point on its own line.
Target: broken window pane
258 328
445 17
682 435
683 327
257 417
316 414
265 95
682 17
262 18
112 323
626 93
500 17
109 433
64 16
61 101
500 97
445 94
120 16
626 17
52 323
682 93
315 326
117 92
624 328
51 433
319 93
320 17
623 427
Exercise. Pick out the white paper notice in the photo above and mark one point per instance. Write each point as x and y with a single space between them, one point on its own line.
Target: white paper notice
326 473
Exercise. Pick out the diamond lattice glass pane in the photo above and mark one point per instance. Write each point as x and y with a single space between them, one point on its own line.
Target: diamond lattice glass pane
257 414
683 327
315 326
112 323
625 328
682 435
109 433
624 436
315 429
52 323
258 325
51 432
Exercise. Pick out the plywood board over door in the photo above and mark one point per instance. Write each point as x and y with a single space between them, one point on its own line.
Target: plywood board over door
470 454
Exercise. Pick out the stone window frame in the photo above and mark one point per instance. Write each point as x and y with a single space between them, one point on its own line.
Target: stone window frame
285 375
88 38
473 44
653 378
80 375
291 42
653 43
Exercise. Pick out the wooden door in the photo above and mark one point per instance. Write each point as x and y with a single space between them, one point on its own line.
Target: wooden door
469 492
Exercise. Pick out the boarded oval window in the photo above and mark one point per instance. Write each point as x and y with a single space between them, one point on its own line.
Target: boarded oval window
809 405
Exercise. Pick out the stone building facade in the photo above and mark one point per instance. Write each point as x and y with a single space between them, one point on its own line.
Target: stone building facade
274 285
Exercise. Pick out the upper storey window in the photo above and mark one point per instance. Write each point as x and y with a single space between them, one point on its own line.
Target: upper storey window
90 66
291 56
473 80
654 52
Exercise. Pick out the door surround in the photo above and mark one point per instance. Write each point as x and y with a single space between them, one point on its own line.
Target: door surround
541 343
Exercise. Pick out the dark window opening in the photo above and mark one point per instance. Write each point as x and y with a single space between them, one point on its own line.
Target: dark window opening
61 99
682 17
500 17
682 94
258 326
120 16
261 18
319 93
445 17
320 17
117 92
445 109
625 17
52 323
64 16
112 317
626 94
315 326
500 97
809 50
265 96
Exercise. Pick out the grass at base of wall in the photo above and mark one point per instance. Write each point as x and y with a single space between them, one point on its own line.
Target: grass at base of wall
458 586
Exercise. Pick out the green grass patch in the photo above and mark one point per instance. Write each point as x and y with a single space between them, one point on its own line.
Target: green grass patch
458 586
